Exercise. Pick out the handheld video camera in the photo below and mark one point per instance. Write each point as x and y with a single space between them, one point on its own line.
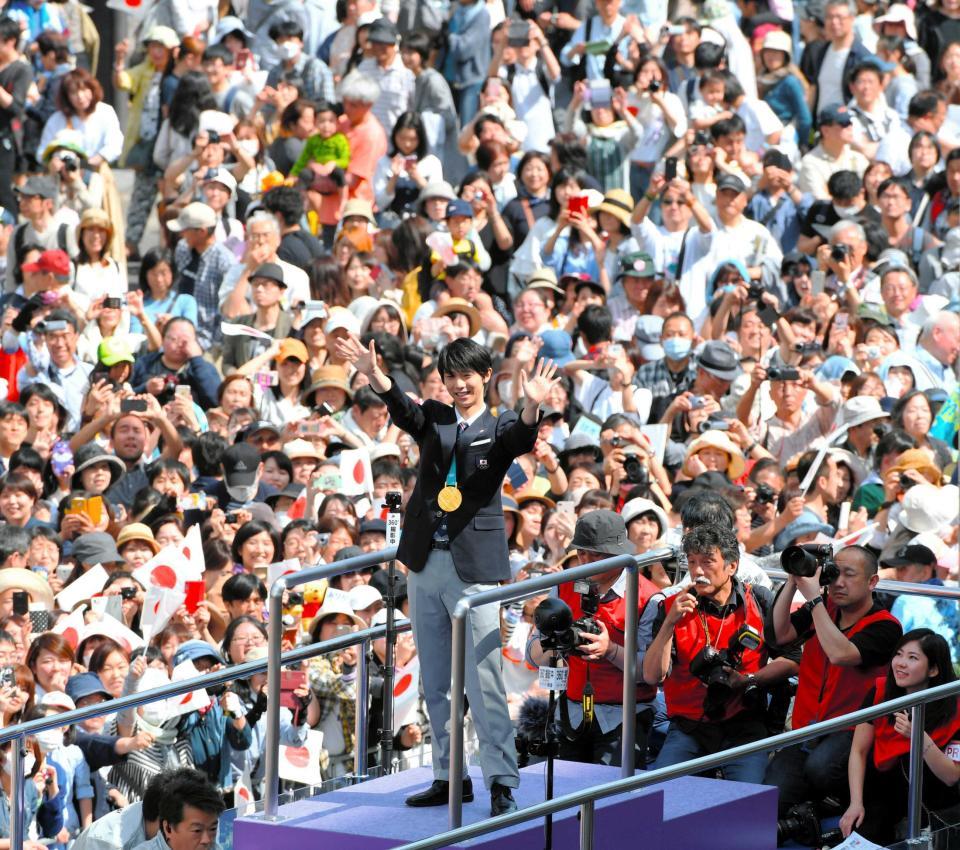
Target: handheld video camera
804 560
554 620
707 665
635 472
393 498
783 373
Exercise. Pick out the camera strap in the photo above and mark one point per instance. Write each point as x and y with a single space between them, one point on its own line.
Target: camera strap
706 630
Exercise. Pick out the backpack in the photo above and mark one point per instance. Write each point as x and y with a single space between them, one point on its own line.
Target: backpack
540 71
20 238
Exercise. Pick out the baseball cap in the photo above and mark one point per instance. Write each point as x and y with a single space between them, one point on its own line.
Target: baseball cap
557 346
193 650
459 207
647 335
604 532
240 463
363 596
719 359
294 348
223 177
162 35
114 350
193 215
58 699
96 547
38 185
731 181
270 271
55 262
835 113
912 553
373 526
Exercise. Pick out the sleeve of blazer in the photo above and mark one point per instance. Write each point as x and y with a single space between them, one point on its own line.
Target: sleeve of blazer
405 413
516 436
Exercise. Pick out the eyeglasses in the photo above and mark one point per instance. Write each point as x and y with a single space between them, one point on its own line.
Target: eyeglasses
248 641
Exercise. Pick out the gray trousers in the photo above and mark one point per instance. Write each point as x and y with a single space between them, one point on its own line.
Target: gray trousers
434 593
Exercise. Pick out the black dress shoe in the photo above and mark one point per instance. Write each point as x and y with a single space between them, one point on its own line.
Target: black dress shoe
438 794
501 800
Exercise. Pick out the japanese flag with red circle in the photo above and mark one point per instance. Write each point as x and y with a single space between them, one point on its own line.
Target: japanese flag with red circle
169 568
71 628
282 568
355 472
406 689
192 550
136 8
302 764
115 630
193 701
159 605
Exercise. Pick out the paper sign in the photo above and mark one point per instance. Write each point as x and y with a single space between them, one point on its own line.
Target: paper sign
443 245
91 582
657 435
193 701
232 329
393 530
282 568
856 842
302 764
554 678
585 425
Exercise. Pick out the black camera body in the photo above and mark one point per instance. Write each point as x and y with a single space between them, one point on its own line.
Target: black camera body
783 373
393 499
635 472
554 620
804 561
765 494
755 291
839 253
708 666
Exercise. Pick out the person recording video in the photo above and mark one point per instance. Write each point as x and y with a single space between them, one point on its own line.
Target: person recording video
595 658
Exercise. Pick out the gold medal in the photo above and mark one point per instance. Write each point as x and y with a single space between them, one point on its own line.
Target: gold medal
449 499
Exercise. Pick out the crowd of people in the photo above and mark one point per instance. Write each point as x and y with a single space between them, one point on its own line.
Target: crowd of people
735 235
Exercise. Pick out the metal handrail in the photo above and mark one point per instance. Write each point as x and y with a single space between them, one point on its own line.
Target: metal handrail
508 592
21 731
588 796
271 795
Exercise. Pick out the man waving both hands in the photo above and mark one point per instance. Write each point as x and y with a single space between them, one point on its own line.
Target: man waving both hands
454 543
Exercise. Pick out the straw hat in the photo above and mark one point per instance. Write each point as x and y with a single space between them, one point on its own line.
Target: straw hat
717 440
330 375
301 448
525 496
619 203
137 531
919 460
460 305
21 579
95 217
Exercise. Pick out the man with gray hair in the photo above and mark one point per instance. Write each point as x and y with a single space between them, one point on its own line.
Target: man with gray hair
939 347
843 260
396 81
263 242
368 140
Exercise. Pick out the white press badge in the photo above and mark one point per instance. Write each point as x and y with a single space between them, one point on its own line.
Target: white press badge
554 678
393 529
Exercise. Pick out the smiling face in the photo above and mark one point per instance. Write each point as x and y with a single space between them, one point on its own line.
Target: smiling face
467 389
257 551
911 667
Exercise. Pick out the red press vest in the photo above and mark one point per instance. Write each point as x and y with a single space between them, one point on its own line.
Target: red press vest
827 690
889 746
606 679
684 692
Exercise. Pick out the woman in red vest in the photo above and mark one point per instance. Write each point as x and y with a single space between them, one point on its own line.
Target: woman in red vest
879 758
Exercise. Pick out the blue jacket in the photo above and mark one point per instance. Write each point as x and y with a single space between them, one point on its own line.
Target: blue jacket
789 103
468 45
201 376
208 733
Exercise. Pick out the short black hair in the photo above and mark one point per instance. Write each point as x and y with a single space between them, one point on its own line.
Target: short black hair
706 508
805 464
365 398
596 324
844 185
9 29
13 539
385 466
208 453
868 560
241 587
62 315
895 442
924 103
285 201
866 65
902 182
705 538
12 408
733 124
218 51
417 42
732 90
708 55
462 356
194 790
154 791
287 28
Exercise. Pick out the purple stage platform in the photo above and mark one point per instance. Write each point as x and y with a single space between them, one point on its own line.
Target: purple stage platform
684 814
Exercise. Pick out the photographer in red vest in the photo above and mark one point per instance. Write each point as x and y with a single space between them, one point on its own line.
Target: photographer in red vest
849 640
709 653
599 661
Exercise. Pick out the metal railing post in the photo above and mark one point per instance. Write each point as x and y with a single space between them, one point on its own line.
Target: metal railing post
271 791
628 732
458 648
362 716
586 825
16 794
915 800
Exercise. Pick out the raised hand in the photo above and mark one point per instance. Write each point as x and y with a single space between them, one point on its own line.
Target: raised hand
537 387
351 349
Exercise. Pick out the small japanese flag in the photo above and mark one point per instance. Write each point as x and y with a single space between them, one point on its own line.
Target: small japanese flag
192 550
282 568
243 797
169 568
91 582
159 605
71 628
135 8
298 509
302 764
405 691
193 701
115 630
355 472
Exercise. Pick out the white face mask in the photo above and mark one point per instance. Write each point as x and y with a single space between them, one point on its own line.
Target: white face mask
577 495
29 763
50 740
250 146
847 212
242 494
289 50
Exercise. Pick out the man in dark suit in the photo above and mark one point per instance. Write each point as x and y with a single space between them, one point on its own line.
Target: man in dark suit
454 543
